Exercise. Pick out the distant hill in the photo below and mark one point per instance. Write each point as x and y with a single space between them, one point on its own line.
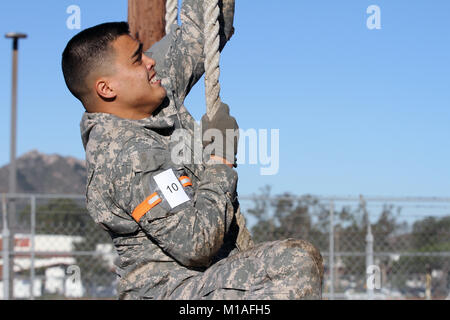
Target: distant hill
42 173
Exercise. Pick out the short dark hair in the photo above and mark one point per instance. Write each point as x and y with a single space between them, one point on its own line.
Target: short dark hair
87 51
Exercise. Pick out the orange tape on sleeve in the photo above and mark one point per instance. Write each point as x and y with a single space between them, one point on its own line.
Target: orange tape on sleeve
145 206
185 181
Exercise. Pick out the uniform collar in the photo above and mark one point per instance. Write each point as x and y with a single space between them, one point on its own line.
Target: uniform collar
106 120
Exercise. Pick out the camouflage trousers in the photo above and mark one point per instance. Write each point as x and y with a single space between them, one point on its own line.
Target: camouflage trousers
284 269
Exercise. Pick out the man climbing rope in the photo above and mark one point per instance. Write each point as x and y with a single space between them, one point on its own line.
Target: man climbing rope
176 227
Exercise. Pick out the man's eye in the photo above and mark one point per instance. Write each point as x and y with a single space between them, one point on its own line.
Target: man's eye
139 60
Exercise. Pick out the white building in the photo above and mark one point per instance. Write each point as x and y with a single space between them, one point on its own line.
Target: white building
54 253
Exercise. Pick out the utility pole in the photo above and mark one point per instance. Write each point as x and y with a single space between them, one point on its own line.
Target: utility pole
147 20
12 163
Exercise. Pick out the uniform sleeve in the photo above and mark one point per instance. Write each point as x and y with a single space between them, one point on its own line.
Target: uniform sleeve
179 55
191 231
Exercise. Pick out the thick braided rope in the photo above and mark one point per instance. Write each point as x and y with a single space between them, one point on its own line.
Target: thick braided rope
171 13
212 56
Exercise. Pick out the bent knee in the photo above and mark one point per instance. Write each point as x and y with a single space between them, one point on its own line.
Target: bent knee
306 248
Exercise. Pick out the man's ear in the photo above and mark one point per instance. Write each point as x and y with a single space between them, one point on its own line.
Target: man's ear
104 89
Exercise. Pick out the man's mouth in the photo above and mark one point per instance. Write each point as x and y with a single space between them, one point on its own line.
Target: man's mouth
154 79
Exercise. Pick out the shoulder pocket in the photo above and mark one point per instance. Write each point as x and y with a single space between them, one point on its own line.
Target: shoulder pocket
146 161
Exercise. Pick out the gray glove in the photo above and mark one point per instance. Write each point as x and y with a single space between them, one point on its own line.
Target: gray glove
226 126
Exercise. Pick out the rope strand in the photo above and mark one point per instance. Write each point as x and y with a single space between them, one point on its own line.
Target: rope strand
171 13
212 56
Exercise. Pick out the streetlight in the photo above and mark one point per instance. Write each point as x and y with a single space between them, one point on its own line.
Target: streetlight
15 36
12 172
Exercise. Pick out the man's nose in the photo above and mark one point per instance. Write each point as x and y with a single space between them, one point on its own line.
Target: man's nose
149 62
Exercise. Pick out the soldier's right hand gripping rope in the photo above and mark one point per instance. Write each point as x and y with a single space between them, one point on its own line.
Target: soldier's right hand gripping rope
221 134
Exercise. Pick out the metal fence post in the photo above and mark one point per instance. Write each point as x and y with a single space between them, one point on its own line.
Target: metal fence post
5 250
428 280
33 232
369 249
331 255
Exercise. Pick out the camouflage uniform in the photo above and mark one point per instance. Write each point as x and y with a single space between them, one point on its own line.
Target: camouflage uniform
199 249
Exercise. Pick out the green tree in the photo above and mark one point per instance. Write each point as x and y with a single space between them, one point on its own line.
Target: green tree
307 218
431 236
288 216
57 216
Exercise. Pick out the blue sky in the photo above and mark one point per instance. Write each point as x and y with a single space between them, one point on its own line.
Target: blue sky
359 110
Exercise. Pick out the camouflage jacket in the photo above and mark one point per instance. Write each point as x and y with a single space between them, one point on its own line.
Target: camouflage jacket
161 241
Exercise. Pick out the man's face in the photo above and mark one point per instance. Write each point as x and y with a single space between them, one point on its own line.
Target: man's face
134 78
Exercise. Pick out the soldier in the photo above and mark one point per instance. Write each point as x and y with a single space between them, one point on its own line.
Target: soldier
176 226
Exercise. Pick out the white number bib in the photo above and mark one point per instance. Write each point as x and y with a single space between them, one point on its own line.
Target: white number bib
171 188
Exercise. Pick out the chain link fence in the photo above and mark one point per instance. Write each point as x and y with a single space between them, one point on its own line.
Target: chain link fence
373 248
56 251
